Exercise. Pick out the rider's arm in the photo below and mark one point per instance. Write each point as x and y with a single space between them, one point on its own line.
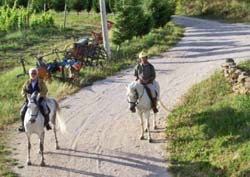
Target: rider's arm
43 89
136 72
24 92
152 73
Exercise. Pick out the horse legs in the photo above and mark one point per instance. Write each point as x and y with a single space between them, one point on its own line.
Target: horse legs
142 125
146 129
41 148
54 128
154 121
147 115
29 147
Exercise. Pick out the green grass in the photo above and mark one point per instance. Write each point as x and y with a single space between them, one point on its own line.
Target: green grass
208 132
23 43
231 11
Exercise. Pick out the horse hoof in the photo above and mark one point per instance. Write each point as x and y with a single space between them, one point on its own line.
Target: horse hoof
142 138
155 127
42 164
146 130
28 163
57 147
150 140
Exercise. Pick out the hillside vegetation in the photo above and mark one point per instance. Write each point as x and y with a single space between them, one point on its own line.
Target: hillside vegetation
230 10
208 132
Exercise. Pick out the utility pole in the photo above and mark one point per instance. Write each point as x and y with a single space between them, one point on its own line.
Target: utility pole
104 27
65 14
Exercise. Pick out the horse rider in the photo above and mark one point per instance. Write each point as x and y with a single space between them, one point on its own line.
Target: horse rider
145 74
34 83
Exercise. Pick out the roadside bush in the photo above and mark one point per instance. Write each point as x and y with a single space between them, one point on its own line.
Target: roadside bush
42 21
129 21
233 10
160 10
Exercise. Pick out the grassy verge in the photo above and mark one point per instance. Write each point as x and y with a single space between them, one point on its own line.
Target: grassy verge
230 11
209 132
157 41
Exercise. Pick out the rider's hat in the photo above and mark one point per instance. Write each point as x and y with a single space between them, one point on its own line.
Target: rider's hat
142 54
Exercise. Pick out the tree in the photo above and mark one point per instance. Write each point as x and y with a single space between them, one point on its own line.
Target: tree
108 9
36 5
161 11
96 6
129 22
111 4
23 3
58 5
88 5
77 5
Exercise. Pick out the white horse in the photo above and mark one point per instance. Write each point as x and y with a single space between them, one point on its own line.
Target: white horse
34 122
137 96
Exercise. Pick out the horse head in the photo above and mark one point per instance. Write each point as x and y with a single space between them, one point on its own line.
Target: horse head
33 107
134 90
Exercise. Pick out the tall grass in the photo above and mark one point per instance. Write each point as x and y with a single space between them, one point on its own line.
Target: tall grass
229 10
209 132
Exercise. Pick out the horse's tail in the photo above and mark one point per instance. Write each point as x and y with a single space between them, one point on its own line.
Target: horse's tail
61 123
163 105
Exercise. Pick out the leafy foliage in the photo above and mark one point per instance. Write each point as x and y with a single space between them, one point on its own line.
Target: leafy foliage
233 10
41 21
130 21
77 5
13 18
137 18
160 10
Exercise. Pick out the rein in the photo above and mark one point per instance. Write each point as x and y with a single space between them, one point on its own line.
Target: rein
137 97
35 115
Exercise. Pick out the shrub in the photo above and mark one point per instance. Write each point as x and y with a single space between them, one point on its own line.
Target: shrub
130 21
43 21
160 10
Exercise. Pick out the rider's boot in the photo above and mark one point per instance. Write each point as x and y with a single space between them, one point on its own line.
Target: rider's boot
46 122
154 105
46 119
21 128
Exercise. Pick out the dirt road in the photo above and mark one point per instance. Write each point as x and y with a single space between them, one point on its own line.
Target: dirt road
103 136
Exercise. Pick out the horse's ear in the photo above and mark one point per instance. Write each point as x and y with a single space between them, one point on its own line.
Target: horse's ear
28 96
37 97
35 93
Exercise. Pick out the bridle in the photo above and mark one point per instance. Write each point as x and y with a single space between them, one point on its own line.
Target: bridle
136 97
37 112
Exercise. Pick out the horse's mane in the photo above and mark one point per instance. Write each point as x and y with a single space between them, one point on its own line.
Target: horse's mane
132 85
135 85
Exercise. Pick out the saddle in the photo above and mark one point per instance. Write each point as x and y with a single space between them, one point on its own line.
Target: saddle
149 92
